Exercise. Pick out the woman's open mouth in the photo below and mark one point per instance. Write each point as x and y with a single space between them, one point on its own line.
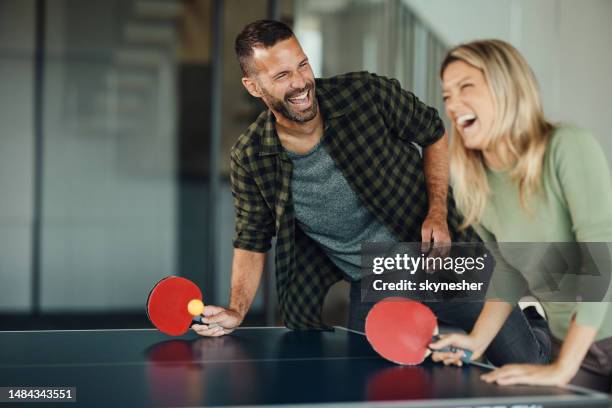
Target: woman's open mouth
465 122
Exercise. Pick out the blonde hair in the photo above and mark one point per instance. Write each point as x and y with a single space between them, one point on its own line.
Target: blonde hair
520 132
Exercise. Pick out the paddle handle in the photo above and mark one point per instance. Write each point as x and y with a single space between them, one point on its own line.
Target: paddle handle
198 320
467 354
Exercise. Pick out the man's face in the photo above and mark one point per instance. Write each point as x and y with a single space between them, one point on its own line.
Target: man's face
285 81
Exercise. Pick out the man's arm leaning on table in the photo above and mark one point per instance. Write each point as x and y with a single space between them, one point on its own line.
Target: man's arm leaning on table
435 167
247 268
254 231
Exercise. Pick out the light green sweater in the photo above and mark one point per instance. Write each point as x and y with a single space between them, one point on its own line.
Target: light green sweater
575 205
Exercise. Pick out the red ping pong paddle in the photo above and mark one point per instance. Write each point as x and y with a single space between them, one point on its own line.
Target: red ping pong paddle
173 304
401 330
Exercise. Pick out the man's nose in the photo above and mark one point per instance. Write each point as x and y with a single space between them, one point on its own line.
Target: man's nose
298 81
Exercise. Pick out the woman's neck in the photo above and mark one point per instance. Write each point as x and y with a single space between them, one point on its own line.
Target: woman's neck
492 160
496 161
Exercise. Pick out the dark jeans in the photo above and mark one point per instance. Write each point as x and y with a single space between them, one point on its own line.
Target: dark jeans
517 342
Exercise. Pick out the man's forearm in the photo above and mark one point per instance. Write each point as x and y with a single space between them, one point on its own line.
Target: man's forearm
435 168
247 268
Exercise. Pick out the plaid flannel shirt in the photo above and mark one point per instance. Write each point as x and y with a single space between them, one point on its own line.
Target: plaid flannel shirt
370 127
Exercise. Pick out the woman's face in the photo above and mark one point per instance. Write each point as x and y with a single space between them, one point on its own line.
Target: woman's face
469 103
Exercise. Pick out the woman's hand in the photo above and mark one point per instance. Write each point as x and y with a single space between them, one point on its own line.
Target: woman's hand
491 319
530 374
457 340
574 348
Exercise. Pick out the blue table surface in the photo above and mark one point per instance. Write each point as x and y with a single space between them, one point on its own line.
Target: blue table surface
250 367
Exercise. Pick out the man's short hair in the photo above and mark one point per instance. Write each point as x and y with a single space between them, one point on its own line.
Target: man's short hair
260 33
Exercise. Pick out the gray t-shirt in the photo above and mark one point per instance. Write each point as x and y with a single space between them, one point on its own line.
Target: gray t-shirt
329 211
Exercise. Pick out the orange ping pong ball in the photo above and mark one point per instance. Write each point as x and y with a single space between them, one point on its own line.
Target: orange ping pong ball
195 307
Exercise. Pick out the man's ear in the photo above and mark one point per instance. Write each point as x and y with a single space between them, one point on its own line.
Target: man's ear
251 86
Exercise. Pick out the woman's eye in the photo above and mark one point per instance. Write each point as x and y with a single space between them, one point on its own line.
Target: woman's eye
444 98
465 86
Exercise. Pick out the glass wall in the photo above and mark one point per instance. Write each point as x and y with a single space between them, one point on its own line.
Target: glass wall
382 36
17 22
116 122
108 154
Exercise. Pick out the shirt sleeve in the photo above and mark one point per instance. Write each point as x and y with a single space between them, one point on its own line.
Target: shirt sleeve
592 314
584 177
254 219
408 117
507 283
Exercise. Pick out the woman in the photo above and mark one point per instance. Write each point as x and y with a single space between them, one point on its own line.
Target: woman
519 178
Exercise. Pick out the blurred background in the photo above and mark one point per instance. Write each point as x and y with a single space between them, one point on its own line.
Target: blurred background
117 117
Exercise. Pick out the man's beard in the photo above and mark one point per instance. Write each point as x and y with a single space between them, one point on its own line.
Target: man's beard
283 106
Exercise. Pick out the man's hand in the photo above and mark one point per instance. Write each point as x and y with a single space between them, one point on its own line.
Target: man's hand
217 321
435 227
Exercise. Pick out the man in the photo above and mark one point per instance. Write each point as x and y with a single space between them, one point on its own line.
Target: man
331 164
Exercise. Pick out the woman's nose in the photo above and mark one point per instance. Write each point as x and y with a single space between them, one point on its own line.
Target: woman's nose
452 105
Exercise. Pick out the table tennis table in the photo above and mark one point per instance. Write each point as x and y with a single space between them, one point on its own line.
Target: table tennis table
251 367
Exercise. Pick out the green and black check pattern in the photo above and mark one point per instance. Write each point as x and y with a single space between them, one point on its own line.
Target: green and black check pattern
371 128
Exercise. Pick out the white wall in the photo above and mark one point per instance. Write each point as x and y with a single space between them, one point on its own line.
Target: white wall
586 72
566 42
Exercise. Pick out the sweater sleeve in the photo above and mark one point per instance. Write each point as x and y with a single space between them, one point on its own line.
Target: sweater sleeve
584 178
507 283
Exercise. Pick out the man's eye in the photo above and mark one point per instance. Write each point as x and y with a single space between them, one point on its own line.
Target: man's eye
444 97
303 64
281 76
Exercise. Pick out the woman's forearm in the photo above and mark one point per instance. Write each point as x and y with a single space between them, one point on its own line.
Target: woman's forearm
492 317
575 346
